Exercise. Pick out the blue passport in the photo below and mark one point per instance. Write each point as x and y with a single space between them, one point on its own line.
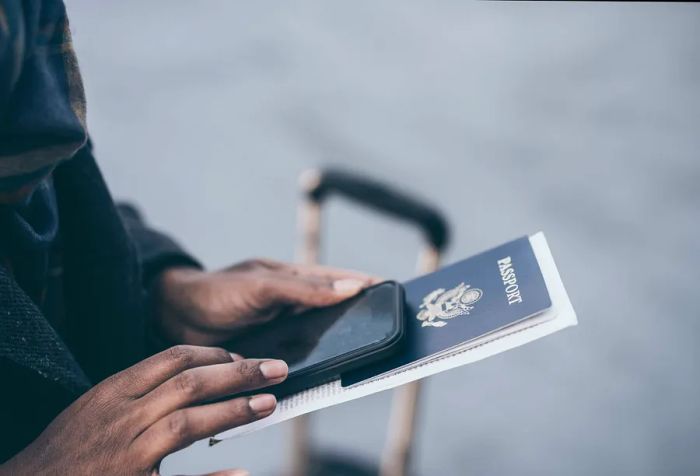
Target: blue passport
463 302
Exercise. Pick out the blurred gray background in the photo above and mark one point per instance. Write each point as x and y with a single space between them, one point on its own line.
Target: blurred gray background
579 119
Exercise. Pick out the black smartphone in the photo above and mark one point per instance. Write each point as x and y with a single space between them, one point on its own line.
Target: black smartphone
322 343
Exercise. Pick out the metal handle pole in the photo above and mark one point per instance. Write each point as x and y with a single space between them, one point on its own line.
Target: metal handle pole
307 253
396 456
316 185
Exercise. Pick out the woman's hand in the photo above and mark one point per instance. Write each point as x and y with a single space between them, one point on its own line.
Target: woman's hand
205 308
131 421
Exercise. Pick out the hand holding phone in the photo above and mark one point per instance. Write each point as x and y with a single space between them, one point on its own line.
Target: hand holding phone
320 344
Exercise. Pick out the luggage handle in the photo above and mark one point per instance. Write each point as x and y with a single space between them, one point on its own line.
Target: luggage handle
320 184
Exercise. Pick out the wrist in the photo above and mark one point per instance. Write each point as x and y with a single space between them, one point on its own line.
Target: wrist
174 304
177 277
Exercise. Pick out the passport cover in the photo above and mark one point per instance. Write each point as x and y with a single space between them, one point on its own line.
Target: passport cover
465 301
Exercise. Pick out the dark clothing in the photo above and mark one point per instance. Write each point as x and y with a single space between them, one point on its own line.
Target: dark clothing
75 270
29 230
42 102
108 258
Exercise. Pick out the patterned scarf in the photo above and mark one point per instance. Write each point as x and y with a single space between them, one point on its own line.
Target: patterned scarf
42 102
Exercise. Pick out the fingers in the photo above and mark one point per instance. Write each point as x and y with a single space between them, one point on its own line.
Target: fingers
342 282
202 384
183 427
229 472
150 373
284 284
281 290
331 273
311 290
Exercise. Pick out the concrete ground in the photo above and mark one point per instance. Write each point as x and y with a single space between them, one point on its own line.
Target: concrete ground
579 119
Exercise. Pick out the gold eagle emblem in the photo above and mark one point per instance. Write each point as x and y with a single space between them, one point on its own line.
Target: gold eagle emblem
441 305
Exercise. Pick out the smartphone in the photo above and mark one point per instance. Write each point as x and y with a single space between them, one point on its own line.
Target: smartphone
322 343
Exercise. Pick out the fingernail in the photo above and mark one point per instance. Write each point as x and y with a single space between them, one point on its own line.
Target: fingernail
236 357
274 369
261 404
348 286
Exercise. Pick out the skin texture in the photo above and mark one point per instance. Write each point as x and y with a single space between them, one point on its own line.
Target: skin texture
207 308
129 422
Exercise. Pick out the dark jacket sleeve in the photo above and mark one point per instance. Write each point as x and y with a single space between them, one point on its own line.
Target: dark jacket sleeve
156 251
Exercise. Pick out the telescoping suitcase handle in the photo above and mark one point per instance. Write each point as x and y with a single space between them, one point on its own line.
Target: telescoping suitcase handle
319 184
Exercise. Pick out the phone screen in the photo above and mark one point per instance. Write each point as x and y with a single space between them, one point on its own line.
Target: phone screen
322 334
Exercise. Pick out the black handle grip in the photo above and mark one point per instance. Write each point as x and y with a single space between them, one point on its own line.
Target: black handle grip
381 197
